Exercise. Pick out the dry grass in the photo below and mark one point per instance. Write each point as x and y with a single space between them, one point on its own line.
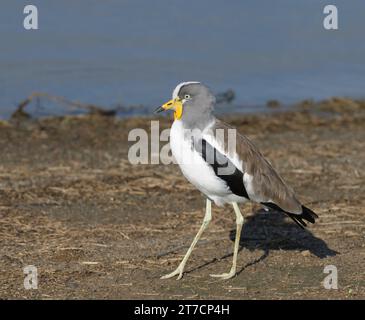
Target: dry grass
98 227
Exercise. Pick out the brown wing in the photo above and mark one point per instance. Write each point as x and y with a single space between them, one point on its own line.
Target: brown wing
267 185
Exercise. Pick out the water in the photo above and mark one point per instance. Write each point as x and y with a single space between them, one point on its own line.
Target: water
135 52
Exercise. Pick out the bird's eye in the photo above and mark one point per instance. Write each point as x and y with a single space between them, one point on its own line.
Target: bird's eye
187 96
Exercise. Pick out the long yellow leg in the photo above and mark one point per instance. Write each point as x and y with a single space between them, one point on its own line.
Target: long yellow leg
239 223
180 269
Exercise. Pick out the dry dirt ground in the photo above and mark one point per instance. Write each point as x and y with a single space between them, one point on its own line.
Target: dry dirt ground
96 226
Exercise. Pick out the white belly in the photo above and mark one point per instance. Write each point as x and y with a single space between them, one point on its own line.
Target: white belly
196 170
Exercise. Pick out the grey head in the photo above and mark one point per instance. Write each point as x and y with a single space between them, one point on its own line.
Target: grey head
198 104
193 104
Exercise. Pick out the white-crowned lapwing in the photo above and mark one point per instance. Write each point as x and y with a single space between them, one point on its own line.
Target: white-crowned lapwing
226 167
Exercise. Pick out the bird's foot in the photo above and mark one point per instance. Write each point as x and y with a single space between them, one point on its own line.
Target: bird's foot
179 270
225 276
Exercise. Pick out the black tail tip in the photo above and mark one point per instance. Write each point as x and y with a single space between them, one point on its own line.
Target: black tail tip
307 215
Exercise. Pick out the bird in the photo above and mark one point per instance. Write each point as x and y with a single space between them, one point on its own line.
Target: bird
224 165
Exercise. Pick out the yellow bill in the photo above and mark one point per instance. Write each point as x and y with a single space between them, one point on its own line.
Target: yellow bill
174 104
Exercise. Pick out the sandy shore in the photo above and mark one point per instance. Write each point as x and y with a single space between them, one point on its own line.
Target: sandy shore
98 227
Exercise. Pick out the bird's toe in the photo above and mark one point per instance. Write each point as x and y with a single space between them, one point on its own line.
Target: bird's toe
174 273
224 276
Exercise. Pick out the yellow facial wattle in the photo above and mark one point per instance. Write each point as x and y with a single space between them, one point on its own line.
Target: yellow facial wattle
178 111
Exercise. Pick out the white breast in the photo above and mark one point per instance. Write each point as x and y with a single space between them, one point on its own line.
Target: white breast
192 165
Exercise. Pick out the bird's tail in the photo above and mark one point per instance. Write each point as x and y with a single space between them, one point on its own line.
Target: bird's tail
307 215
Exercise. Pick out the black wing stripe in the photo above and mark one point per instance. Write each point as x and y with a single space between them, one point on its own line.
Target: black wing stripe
218 161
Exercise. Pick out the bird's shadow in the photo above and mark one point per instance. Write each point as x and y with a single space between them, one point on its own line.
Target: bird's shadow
271 230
